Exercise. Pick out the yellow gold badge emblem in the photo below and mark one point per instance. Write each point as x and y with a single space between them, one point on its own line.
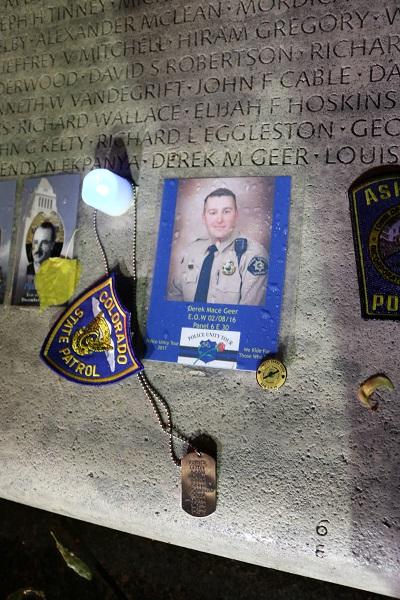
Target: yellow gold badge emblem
271 374
95 337
229 268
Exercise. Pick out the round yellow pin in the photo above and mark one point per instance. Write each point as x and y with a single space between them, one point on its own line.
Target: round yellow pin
271 374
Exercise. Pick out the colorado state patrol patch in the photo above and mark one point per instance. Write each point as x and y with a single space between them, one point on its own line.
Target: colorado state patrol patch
258 266
375 213
90 343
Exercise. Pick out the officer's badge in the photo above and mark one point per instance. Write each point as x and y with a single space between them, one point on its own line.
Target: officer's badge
258 266
91 341
228 268
375 213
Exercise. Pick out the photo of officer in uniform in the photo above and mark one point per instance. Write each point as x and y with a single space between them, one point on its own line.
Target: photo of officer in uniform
224 265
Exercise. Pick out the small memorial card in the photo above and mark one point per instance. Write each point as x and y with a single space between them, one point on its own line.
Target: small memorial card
220 271
47 226
7 206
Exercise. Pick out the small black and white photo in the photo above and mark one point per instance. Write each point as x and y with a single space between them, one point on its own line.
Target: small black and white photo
47 226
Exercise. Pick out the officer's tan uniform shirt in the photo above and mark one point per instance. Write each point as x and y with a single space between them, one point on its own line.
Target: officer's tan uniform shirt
231 282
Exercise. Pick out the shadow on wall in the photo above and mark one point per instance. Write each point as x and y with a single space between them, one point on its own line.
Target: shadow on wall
115 158
112 153
254 200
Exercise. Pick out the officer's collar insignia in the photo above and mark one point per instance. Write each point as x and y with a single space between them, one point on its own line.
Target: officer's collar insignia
228 268
375 214
91 341
258 266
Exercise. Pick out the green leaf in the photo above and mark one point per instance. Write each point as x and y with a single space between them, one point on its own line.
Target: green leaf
72 561
27 594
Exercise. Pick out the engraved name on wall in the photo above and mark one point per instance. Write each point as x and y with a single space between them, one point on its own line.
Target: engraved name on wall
235 83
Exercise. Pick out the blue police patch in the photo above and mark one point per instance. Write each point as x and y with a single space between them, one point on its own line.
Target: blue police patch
375 214
91 341
258 266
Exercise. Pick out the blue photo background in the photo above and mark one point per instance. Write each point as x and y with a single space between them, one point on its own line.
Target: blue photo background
258 325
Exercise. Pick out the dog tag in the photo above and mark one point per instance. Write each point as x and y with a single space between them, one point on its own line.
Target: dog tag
199 484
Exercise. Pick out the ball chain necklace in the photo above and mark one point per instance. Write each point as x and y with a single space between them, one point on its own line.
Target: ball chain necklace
91 343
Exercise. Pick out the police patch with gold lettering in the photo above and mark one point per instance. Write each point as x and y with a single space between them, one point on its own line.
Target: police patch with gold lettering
91 341
375 214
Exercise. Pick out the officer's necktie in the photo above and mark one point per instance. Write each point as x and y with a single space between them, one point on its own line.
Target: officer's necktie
204 277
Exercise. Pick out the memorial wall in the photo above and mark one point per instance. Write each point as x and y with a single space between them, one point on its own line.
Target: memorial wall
282 105
243 84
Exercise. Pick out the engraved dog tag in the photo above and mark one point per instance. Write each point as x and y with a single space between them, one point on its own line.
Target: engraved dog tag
199 484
